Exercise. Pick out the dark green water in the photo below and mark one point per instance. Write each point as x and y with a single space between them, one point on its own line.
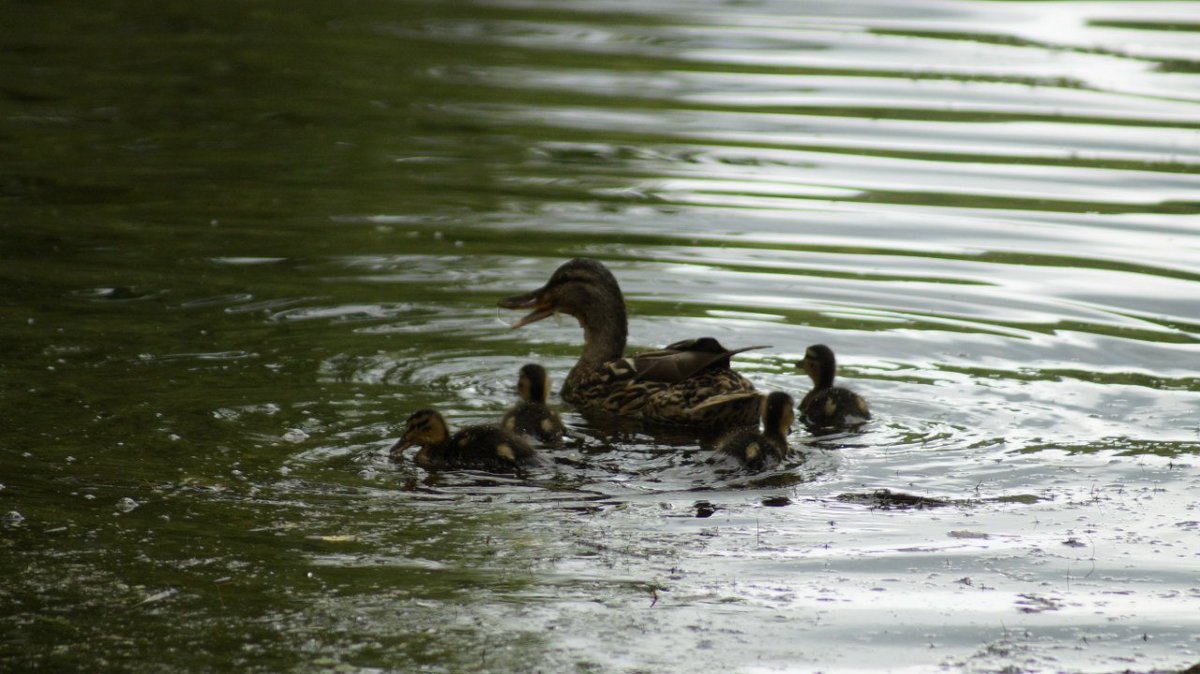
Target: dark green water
240 242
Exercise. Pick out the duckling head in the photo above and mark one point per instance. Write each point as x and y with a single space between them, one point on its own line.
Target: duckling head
778 413
820 365
424 428
533 383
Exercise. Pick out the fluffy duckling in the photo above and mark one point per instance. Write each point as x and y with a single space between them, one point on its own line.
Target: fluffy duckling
758 450
483 447
532 416
828 406
690 383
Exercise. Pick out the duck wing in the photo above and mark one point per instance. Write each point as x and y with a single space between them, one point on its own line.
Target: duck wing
725 399
684 359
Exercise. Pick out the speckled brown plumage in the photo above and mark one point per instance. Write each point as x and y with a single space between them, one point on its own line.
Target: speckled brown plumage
689 383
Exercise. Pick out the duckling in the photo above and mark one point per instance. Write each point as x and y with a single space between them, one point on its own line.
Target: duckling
826 405
532 416
689 383
757 450
483 447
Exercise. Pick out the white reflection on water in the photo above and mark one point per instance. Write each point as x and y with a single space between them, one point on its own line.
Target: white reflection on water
988 209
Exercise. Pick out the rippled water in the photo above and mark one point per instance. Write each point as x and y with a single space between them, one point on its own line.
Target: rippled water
240 243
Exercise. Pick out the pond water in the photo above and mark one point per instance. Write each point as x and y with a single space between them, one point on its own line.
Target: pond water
240 242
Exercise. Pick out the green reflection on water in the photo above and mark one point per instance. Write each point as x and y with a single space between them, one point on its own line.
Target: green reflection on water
144 143
1147 25
162 587
176 179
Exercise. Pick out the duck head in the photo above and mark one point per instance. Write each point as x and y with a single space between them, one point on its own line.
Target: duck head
587 290
778 413
820 365
533 383
424 428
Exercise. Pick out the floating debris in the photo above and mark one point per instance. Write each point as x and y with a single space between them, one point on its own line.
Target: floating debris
886 499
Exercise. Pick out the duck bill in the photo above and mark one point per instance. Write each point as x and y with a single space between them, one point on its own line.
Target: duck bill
527 301
400 446
810 368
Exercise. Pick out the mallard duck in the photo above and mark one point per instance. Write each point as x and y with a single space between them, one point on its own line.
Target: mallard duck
758 450
688 383
826 405
484 447
532 416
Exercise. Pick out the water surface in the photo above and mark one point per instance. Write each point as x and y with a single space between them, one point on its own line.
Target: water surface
240 244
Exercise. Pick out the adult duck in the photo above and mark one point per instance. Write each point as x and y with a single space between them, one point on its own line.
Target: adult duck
688 383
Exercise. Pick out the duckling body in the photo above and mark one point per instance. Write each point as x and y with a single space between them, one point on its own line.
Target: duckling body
532 416
828 406
688 383
756 449
481 447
